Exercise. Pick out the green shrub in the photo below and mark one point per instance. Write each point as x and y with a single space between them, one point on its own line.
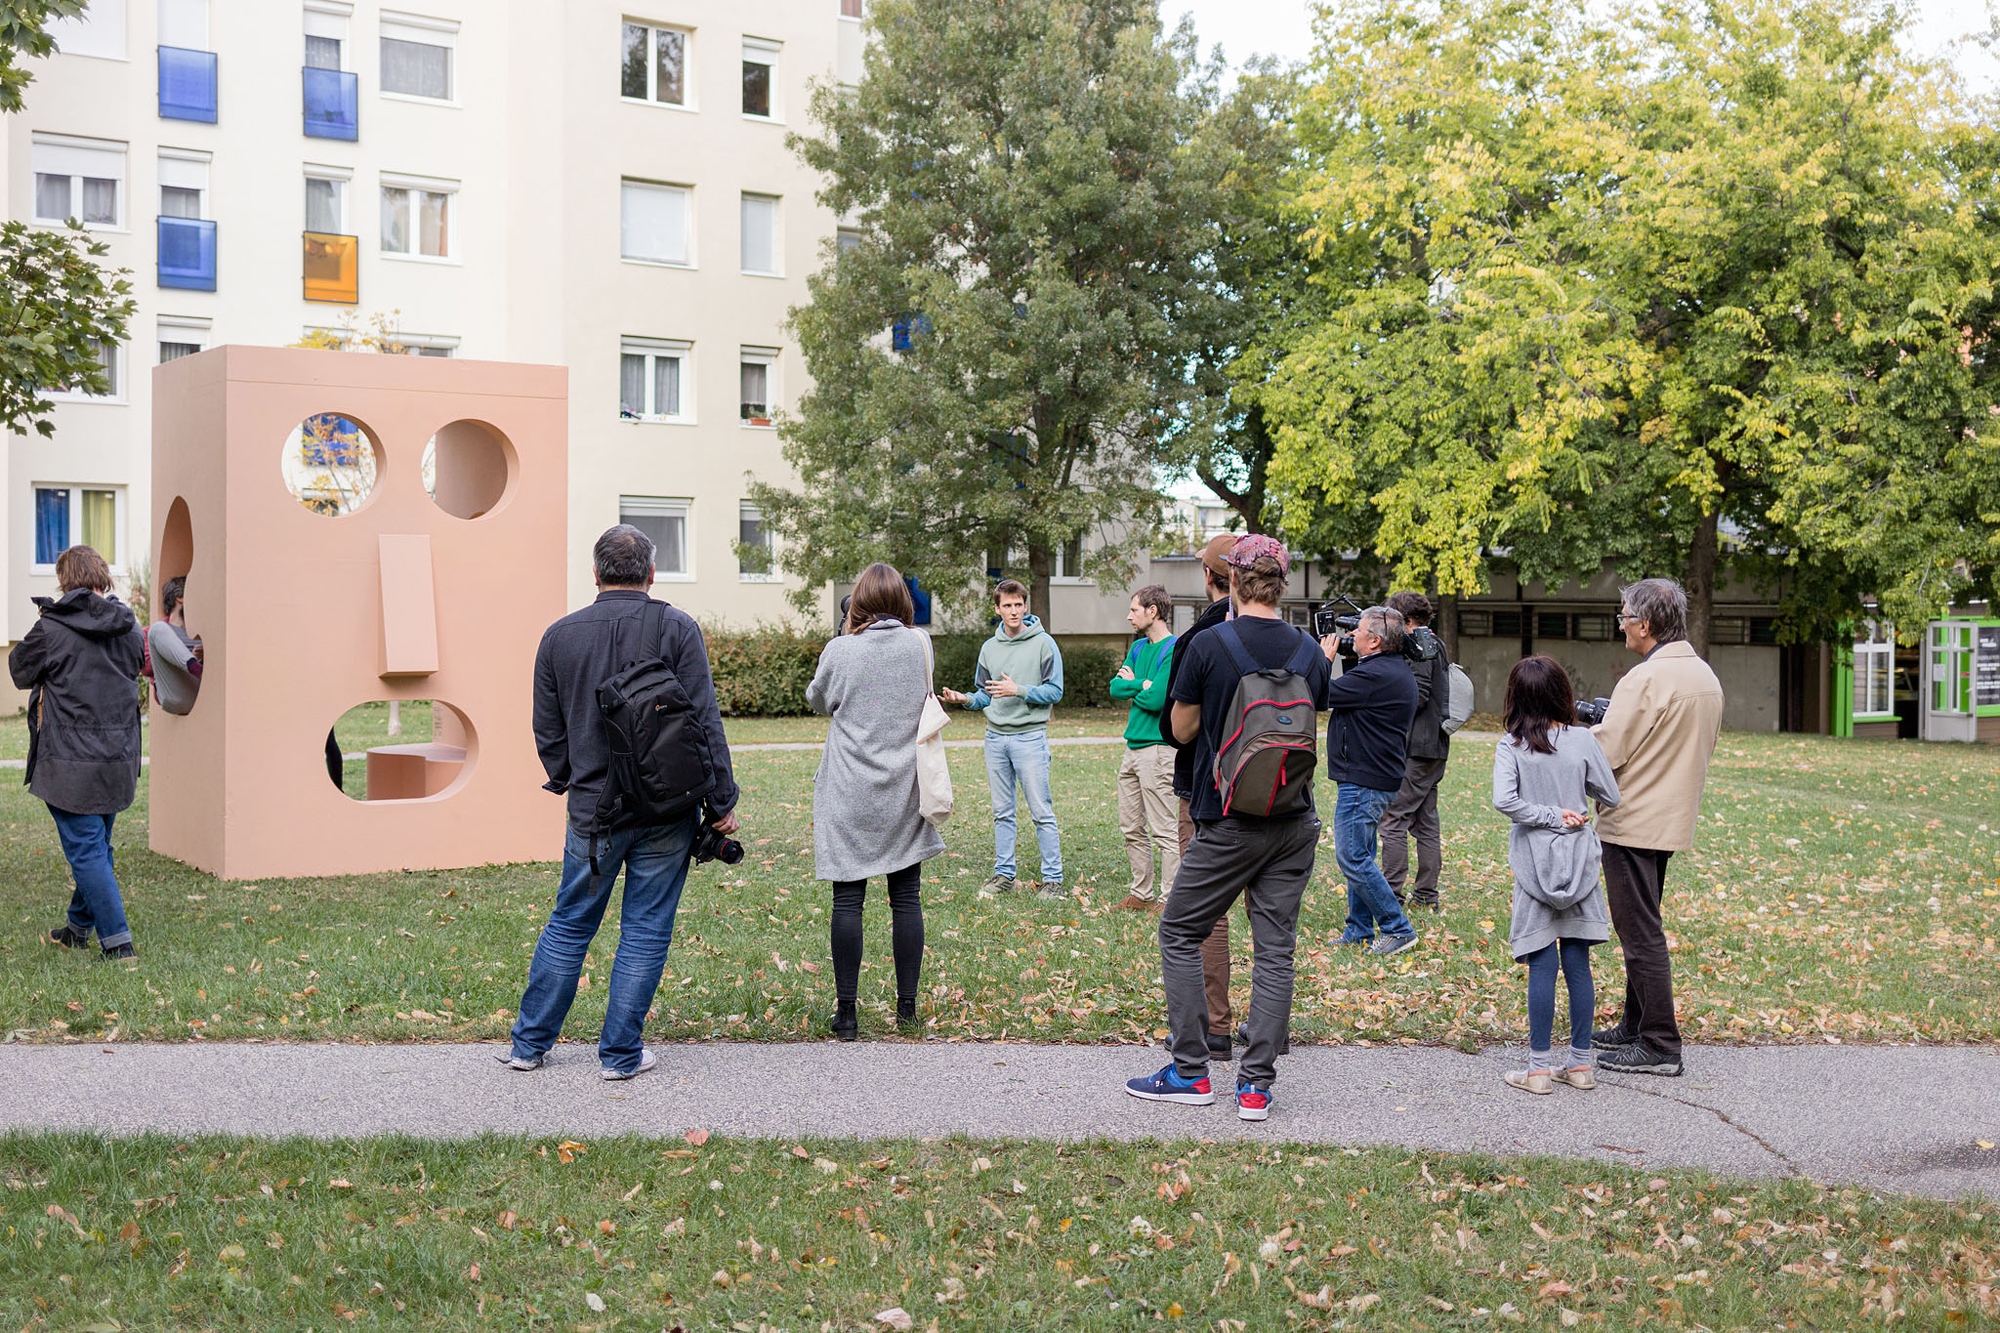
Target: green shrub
763 672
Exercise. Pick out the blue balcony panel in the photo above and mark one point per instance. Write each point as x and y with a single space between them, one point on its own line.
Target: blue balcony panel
187 254
332 104
187 84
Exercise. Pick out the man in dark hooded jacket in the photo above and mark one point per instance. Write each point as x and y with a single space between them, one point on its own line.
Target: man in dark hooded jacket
80 664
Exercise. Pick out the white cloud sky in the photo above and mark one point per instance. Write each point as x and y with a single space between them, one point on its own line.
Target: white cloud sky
1283 28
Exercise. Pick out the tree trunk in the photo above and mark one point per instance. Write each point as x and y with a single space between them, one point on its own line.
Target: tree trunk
1041 566
1701 583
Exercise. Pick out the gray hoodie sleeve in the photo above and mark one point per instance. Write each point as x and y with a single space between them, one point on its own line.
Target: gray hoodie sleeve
1507 797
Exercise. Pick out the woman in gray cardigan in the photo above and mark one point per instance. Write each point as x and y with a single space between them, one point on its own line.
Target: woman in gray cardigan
1544 773
871 682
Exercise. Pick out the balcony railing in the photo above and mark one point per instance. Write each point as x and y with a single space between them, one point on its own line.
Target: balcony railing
332 104
187 84
332 268
187 254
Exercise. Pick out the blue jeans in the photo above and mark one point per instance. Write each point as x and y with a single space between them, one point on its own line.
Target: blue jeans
1574 956
96 904
1023 758
656 865
1371 903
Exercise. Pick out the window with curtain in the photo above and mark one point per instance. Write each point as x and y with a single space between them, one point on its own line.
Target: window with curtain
83 179
653 222
665 523
415 68
416 222
322 52
324 205
175 351
51 523
755 406
650 376
100 523
753 545
653 64
760 234
179 201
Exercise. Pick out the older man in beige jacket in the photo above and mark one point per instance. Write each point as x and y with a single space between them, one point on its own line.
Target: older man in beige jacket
1659 734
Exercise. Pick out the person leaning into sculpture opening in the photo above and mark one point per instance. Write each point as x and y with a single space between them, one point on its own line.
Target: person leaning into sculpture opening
80 665
173 656
1659 734
577 654
1146 774
871 684
1414 810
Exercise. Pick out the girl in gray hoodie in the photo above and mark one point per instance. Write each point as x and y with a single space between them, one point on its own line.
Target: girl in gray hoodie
1544 772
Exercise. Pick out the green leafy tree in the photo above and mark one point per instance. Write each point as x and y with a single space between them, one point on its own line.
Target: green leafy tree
1001 362
58 309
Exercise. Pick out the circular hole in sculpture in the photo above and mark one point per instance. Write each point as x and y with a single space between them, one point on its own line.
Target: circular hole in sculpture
400 750
468 467
330 464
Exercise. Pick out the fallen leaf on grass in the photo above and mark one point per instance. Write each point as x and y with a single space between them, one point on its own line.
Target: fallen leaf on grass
696 1137
594 1301
569 1150
896 1317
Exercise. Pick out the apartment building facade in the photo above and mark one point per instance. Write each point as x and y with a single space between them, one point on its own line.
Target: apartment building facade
598 185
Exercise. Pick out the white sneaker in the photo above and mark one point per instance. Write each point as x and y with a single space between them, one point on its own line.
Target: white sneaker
646 1061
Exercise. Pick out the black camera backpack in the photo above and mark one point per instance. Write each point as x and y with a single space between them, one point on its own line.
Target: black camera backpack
1270 739
659 770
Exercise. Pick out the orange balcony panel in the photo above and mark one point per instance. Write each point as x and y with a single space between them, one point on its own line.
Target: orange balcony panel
332 268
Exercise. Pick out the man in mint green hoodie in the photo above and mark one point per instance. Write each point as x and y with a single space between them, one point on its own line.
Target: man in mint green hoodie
1018 680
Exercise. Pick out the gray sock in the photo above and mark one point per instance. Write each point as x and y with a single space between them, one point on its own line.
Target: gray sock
1582 1059
1538 1061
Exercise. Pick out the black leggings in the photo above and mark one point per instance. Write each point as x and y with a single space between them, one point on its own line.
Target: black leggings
906 913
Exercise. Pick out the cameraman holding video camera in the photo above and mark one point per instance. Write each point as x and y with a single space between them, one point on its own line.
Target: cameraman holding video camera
1370 707
593 666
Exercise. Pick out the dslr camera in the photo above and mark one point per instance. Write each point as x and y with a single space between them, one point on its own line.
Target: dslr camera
1590 712
712 845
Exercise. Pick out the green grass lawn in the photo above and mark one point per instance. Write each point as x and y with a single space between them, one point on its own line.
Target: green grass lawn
1843 890
215 1233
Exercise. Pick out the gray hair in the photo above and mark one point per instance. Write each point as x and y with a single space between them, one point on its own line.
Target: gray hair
1386 623
1662 604
623 557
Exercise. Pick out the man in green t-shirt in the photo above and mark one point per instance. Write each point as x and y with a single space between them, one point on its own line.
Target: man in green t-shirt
1147 810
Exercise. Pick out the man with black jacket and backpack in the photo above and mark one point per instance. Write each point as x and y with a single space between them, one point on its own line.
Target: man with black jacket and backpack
637 805
1414 811
1247 696
1370 706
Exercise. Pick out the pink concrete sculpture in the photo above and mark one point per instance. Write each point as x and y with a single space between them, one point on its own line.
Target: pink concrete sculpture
357 528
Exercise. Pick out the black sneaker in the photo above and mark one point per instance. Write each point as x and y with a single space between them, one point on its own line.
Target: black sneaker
1243 1039
1615 1035
118 952
1638 1058
64 937
846 1025
1219 1047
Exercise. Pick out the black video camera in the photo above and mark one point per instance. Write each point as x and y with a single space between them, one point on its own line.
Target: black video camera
710 844
1590 712
1419 643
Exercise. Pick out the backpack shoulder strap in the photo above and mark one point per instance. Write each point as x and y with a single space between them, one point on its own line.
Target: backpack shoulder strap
652 624
1232 643
655 628
1301 663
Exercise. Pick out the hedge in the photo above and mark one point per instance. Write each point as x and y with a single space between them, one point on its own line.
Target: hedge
765 672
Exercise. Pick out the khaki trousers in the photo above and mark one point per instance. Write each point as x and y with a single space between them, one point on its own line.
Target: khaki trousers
1146 814
1214 950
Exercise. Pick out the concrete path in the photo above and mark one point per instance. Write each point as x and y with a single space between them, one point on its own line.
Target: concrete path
1896 1119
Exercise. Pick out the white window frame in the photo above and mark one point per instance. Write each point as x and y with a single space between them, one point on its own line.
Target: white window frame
178 18
767 52
745 509
415 185
330 19
177 167
120 519
340 178
768 358
428 344
1061 572
421 30
99 33
1881 642
777 202
689 83
666 507
182 329
653 349
57 146
118 384
687 222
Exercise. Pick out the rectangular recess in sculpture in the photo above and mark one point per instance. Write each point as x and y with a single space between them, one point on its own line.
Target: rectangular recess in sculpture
409 606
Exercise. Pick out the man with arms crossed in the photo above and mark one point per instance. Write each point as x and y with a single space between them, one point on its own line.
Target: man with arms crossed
1146 774
1659 734
577 654
1267 861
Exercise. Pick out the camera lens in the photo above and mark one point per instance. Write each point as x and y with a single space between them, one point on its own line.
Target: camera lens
728 851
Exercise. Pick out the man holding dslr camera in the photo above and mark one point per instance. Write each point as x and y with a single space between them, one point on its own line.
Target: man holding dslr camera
593 667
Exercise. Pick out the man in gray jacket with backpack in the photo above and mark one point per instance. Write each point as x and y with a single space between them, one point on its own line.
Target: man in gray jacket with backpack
1247 695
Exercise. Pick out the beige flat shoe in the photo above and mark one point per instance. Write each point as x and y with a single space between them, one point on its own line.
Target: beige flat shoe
1582 1077
1536 1081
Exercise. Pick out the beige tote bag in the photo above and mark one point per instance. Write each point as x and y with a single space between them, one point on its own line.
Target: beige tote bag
933 774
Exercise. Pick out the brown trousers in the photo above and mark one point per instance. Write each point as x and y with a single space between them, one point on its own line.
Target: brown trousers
1214 951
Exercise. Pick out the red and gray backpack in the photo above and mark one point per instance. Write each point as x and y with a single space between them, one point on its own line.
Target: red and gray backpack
1264 766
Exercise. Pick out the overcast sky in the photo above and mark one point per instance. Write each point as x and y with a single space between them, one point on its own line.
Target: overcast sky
1283 28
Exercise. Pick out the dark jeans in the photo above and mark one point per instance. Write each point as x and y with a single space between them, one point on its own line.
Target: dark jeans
1574 957
1371 904
906 932
96 904
1634 881
1414 811
655 861
1267 862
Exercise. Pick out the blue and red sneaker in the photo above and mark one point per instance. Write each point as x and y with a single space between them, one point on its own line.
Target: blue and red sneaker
1169 1086
1252 1102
